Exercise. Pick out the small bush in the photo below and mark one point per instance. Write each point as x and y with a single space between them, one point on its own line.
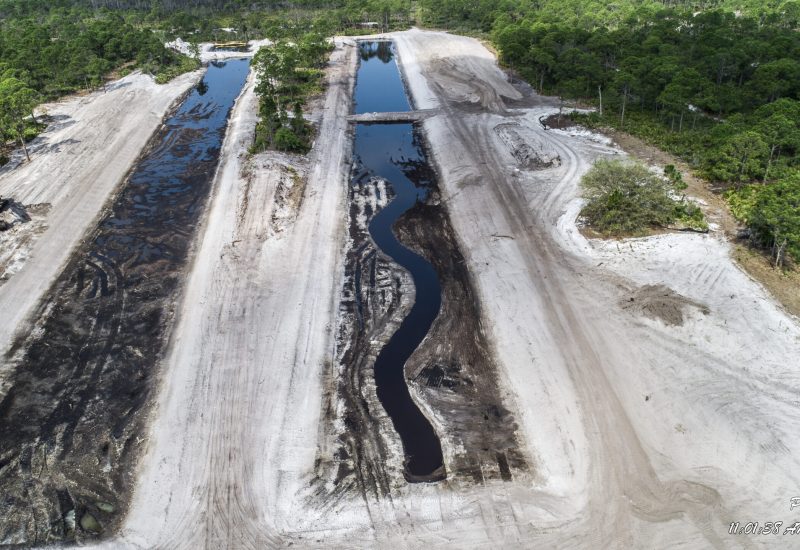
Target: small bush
742 201
624 197
690 216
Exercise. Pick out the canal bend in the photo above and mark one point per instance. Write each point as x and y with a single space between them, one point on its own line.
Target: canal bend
393 152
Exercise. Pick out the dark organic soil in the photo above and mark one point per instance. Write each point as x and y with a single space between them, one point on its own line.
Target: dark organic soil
82 380
453 368
558 122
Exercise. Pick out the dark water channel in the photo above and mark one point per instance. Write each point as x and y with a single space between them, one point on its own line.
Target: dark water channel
393 152
84 377
379 87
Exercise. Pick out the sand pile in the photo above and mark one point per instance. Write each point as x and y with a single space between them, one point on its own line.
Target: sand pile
660 302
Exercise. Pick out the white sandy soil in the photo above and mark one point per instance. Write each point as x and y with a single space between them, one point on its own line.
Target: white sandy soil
641 434
76 165
207 54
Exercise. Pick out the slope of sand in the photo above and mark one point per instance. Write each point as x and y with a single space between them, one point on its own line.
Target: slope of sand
76 164
642 434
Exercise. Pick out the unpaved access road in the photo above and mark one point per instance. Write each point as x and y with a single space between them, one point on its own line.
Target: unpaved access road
638 433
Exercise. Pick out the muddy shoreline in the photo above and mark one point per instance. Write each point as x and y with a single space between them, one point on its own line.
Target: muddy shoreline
452 371
451 375
83 381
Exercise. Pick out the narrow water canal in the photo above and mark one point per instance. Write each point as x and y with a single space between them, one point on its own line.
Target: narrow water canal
83 379
393 152
379 87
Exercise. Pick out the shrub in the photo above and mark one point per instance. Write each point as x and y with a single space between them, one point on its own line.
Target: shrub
287 140
624 197
743 200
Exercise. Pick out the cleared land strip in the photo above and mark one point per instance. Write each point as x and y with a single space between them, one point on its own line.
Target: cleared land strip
240 405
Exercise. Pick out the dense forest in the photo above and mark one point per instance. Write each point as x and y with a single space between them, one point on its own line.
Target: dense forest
716 82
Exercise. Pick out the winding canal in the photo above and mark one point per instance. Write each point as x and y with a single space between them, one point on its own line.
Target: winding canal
393 152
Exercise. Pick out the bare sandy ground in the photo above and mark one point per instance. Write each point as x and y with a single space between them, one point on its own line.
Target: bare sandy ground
76 165
640 433
645 435
206 51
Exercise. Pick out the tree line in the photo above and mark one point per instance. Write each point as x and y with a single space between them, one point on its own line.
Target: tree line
45 56
719 89
716 82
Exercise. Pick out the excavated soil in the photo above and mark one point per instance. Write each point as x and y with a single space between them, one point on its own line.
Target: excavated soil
20 225
660 302
377 295
453 371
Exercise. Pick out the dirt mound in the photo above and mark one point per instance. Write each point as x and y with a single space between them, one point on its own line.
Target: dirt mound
288 197
529 151
660 302
558 122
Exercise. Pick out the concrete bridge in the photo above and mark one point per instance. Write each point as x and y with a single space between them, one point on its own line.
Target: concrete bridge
404 116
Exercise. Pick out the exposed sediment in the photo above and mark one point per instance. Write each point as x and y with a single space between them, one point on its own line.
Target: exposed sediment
376 296
76 401
451 374
452 371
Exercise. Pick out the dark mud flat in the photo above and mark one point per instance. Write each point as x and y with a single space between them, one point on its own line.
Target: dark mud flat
452 370
73 419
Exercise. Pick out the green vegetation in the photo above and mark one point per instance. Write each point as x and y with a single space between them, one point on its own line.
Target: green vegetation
772 213
716 88
17 102
177 66
61 46
49 51
75 49
288 73
625 198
